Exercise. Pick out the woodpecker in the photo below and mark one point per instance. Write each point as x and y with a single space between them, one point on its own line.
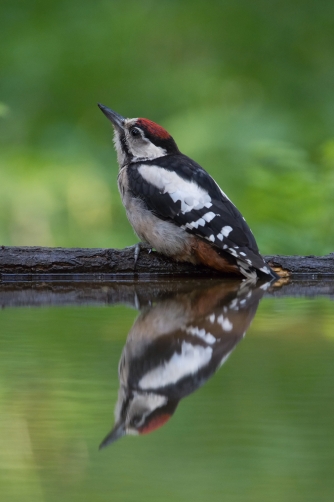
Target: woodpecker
175 206
174 347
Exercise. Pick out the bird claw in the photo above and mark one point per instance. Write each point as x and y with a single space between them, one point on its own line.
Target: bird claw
138 247
136 254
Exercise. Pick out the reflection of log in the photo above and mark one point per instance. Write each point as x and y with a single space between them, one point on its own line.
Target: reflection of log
36 263
134 293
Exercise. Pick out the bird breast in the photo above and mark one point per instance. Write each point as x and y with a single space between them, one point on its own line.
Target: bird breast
164 236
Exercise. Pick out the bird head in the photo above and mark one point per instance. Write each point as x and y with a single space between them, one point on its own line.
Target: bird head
138 139
139 413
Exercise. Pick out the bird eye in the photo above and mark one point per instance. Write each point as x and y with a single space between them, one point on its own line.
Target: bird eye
135 421
135 132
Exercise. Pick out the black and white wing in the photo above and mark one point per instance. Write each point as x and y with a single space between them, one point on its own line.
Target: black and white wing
178 189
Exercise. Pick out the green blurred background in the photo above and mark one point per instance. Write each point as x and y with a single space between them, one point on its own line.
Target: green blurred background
246 89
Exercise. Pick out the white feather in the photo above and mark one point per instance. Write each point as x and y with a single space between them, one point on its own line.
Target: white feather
189 361
188 193
201 333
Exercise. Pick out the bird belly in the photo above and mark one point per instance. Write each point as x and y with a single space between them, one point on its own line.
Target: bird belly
163 236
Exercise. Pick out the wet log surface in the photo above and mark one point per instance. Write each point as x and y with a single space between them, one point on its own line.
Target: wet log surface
136 293
35 276
50 264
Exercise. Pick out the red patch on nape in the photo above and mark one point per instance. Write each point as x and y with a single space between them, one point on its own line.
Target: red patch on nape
155 423
153 128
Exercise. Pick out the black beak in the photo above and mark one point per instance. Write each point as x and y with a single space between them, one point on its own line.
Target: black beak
117 432
116 119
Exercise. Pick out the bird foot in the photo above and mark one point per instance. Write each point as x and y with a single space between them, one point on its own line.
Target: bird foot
137 248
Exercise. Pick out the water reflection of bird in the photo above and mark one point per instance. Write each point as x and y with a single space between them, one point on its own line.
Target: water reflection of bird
174 347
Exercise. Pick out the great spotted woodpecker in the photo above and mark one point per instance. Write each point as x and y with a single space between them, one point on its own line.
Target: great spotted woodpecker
175 206
174 347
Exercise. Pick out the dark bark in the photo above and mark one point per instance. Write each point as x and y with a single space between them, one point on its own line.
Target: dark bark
49 264
317 266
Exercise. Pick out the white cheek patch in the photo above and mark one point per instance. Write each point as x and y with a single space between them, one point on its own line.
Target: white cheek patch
144 404
188 193
189 361
146 150
142 148
134 432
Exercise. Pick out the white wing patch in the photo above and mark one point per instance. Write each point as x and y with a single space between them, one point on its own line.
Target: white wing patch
146 403
225 323
201 333
189 361
234 304
209 216
188 193
233 252
225 231
212 318
194 224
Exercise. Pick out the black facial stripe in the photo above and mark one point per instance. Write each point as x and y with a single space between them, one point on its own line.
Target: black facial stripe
124 144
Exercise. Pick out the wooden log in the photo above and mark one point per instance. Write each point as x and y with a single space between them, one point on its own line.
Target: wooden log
39 263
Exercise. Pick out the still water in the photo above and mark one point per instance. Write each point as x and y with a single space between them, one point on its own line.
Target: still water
197 391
